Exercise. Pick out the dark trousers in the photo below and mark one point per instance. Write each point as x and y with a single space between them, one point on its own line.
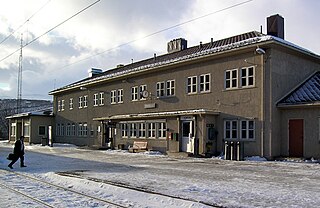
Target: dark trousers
16 158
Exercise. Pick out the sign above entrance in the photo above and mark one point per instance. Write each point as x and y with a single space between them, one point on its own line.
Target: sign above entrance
186 118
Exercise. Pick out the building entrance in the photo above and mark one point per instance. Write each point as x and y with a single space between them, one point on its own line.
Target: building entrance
187 140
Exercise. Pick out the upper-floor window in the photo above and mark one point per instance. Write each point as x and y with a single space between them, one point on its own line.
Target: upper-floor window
95 99
71 103
101 96
120 95
166 88
192 85
80 102
113 96
231 79
160 89
247 77
62 105
141 89
170 88
85 101
59 105
134 93
204 82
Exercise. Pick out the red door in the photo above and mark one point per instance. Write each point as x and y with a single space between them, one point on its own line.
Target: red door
296 138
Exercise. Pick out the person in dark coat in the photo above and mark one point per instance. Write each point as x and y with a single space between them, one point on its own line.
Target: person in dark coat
18 152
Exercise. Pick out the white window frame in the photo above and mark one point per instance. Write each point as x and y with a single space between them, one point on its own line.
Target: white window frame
246 131
142 130
68 131
120 95
170 88
62 105
192 85
133 130
205 84
230 131
134 93
59 105
101 98
231 79
141 89
26 129
95 99
245 78
113 96
124 130
70 103
162 130
13 129
80 102
85 129
160 89
151 130
85 101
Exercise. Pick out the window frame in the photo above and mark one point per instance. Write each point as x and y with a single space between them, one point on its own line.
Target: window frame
120 96
191 85
170 88
95 99
231 79
206 83
113 96
134 93
247 77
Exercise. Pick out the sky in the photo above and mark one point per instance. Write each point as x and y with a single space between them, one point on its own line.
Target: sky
59 50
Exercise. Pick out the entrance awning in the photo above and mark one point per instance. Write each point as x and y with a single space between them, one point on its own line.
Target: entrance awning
159 114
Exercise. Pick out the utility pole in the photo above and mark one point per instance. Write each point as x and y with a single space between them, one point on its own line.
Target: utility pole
19 93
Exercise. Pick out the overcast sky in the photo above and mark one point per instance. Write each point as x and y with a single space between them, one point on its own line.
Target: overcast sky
114 32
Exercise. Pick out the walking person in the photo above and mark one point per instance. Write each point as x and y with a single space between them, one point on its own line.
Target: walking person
18 152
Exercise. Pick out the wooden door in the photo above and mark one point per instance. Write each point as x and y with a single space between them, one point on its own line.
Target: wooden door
296 138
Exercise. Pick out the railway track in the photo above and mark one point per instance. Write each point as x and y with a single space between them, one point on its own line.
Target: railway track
32 188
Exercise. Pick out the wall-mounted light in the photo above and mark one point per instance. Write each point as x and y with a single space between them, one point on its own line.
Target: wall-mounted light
260 51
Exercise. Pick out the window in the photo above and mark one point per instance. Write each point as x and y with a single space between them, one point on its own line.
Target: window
80 102
73 130
85 101
133 130
68 131
124 130
160 89
231 129
13 129
142 130
85 129
95 99
26 129
247 129
120 95
231 79
192 85
62 105
162 130
134 93
41 130
113 96
141 89
204 83
170 88
59 105
71 103
101 98
247 77
151 130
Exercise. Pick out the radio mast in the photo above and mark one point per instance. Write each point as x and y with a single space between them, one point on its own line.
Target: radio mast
19 93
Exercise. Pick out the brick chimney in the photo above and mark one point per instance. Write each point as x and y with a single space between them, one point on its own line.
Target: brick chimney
275 26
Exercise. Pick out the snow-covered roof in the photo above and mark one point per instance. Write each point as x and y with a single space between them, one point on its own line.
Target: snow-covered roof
195 52
307 93
43 112
159 114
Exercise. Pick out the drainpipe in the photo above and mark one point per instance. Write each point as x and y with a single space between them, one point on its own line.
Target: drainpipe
262 105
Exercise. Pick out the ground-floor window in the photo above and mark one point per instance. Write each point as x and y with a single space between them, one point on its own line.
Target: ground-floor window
13 129
42 130
144 129
239 130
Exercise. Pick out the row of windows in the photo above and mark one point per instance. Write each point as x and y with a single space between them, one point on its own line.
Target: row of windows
234 78
150 130
70 129
235 130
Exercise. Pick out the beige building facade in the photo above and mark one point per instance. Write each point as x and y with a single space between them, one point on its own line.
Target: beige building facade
215 98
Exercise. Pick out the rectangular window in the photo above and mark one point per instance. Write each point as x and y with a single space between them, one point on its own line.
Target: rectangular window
134 93
71 103
85 101
141 89
73 129
231 79
59 105
124 130
247 129
80 129
26 129
142 130
101 101
133 130
151 130
231 129
120 95
95 99
62 105
68 131
170 88
192 85
160 89
113 96
85 129
42 130
80 102
247 77
13 129
162 129
204 83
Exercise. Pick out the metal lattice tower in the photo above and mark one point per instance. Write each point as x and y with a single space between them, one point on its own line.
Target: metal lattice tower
19 93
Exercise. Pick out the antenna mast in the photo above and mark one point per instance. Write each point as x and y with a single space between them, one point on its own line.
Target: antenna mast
20 78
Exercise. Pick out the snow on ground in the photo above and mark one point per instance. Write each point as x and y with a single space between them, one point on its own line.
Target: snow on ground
252 183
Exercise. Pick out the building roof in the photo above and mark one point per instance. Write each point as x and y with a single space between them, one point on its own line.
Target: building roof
191 53
307 93
44 112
